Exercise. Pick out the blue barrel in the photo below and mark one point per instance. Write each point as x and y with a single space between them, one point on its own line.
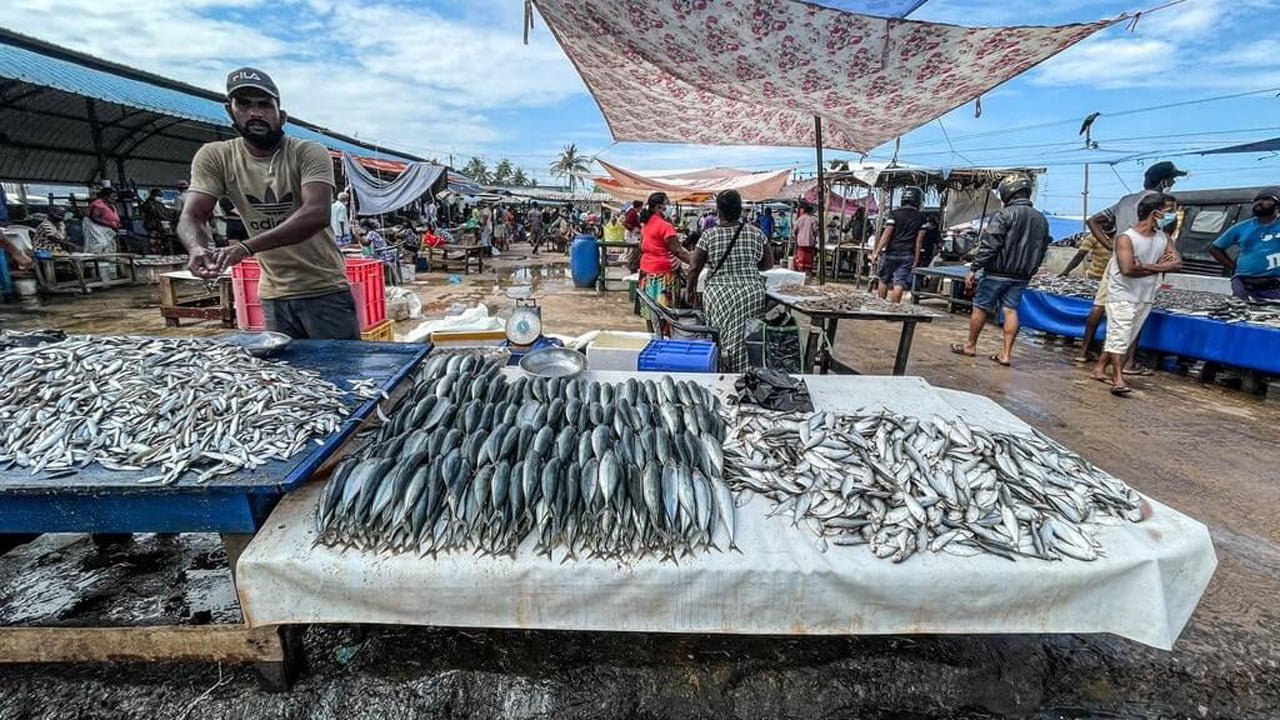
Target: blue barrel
584 260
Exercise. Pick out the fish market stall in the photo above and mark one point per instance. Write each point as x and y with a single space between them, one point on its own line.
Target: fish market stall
704 545
132 435
826 306
1187 323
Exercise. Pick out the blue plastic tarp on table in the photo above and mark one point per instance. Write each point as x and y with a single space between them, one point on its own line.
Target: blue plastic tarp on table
100 500
1244 345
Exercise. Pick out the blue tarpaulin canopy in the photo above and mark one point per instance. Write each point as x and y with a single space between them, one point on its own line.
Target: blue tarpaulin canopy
54 102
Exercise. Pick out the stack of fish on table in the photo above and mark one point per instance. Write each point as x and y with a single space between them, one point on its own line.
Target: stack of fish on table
837 298
185 407
473 461
901 485
1217 306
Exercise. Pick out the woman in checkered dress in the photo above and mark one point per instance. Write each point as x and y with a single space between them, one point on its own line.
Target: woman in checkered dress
734 291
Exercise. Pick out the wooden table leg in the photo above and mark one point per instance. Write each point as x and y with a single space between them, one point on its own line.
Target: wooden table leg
904 347
274 675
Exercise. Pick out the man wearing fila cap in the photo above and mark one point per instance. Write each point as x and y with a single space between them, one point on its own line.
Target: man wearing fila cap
282 187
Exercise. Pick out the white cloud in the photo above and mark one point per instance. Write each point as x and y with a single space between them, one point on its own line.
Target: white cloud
1110 63
401 75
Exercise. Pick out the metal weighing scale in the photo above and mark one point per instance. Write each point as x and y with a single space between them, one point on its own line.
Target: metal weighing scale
524 327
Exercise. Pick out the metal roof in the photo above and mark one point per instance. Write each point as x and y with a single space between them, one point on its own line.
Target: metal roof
150 124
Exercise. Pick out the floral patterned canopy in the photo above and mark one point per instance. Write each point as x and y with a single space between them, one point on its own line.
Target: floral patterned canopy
757 72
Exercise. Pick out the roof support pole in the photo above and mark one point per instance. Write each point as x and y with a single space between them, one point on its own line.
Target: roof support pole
95 130
822 204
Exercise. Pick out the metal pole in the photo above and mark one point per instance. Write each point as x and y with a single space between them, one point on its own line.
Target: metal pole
822 204
866 230
95 130
1088 131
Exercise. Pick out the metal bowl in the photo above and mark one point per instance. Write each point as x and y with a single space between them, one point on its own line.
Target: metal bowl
258 344
556 362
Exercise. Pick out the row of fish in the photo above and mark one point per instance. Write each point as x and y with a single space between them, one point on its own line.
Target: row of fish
168 406
901 485
845 299
472 461
1226 308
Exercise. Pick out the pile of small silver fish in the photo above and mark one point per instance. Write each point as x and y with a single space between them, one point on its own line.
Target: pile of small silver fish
472 461
835 298
901 485
1226 308
177 405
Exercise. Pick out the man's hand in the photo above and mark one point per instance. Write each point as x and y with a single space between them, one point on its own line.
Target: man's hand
875 257
968 281
204 264
231 255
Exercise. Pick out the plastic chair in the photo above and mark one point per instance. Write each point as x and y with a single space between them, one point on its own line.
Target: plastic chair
691 324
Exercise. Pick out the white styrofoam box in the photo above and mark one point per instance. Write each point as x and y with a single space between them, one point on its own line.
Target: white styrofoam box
616 273
1203 283
613 350
614 285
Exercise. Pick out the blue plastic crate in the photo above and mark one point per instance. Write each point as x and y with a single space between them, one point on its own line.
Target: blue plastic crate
679 356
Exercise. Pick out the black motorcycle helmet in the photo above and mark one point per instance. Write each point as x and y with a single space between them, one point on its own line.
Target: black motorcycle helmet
1012 185
912 196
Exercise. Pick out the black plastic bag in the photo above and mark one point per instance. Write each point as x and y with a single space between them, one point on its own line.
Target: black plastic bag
773 390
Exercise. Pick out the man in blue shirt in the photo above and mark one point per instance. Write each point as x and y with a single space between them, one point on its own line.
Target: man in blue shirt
1255 273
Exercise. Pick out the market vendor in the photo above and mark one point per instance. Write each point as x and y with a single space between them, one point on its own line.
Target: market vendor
806 237
660 249
154 216
282 187
1255 273
897 249
51 234
101 224
733 293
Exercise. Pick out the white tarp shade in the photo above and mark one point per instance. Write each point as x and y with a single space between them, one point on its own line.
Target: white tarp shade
692 185
375 196
757 72
1144 589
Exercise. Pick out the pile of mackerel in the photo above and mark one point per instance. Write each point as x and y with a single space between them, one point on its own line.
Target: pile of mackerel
166 409
846 299
1227 308
472 461
901 485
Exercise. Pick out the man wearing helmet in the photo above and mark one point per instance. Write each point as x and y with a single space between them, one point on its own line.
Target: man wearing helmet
1009 253
904 231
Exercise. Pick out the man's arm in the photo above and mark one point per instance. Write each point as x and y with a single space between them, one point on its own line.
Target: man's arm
1099 232
306 221
1129 265
919 243
1075 263
193 232
1221 256
1170 261
883 240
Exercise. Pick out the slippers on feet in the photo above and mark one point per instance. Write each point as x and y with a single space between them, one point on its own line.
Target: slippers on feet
1082 359
1139 371
1121 390
996 359
1103 380
958 349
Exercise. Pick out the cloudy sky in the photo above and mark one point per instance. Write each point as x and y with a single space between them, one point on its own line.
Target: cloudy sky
451 77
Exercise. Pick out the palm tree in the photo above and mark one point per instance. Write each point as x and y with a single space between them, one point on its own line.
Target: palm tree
476 170
518 178
568 164
502 173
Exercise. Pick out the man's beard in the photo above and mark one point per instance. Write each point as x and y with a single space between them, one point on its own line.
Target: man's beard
1263 211
262 141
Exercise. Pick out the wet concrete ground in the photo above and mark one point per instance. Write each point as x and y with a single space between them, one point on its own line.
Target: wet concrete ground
1209 451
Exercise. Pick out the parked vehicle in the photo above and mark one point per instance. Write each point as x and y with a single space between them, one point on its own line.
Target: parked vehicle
1203 215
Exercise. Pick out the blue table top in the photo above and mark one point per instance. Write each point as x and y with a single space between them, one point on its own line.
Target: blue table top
340 361
957 271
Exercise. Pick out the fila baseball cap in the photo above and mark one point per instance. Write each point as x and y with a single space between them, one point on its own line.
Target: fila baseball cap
247 77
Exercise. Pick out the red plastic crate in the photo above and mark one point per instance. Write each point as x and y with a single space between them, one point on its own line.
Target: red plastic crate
366 288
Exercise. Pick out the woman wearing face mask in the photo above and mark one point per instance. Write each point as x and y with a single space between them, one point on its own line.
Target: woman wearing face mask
1141 253
659 250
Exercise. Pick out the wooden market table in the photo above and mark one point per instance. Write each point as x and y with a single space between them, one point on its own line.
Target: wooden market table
235 506
455 253
209 304
953 273
88 271
604 248
828 321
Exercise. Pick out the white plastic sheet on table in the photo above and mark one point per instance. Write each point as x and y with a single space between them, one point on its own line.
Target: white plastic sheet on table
1145 587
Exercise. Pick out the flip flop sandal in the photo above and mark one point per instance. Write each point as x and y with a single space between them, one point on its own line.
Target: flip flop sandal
1139 372
1121 390
1104 381
996 359
958 349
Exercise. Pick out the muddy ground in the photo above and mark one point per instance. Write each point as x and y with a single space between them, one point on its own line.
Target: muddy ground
1208 450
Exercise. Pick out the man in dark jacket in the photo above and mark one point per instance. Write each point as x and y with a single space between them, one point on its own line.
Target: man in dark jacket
1010 252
